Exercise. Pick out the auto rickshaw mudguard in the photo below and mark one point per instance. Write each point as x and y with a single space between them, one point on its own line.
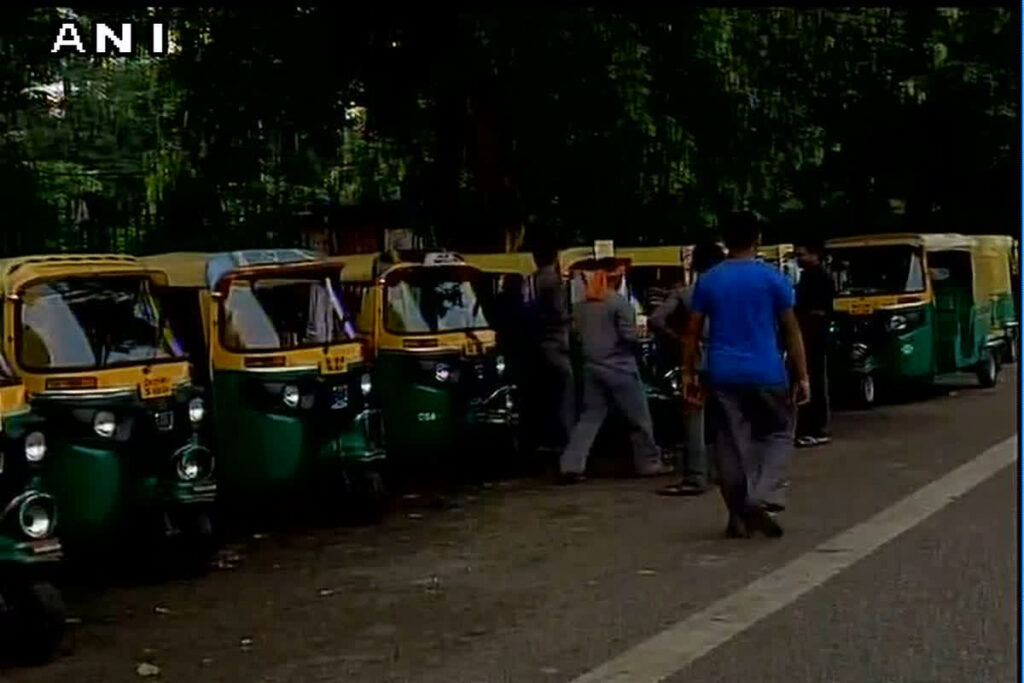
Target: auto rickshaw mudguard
258 451
419 412
89 485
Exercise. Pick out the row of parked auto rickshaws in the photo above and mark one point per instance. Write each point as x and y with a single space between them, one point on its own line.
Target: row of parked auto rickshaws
138 394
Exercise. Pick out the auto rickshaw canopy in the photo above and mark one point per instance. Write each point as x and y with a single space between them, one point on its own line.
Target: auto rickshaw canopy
669 256
992 264
183 268
928 241
507 263
17 272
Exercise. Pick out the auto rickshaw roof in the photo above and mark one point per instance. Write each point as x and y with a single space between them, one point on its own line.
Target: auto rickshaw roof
16 272
930 241
517 262
228 261
183 268
654 256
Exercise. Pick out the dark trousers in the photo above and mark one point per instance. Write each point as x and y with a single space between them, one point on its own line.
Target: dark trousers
753 443
550 408
813 417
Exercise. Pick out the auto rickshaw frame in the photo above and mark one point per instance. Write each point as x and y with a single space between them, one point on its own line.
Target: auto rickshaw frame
782 257
130 473
996 256
872 338
269 451
436 388
32 624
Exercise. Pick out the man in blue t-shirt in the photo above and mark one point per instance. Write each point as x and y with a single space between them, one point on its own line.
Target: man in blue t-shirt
750 402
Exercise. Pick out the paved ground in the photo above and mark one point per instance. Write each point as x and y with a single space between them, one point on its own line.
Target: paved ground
527 582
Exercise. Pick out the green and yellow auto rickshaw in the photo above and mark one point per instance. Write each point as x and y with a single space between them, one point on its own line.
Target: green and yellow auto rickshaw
288 378
995 257
31 608
909 308
100 363
440 378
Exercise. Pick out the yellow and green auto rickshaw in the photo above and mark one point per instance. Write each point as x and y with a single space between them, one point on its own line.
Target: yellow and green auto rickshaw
995 259
908 308
31 608
441 380
102 366
287 377
783 257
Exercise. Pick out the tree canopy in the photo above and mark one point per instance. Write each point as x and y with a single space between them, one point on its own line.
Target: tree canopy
483 126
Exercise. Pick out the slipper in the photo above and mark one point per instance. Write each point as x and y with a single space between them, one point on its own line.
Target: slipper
682 489
806 441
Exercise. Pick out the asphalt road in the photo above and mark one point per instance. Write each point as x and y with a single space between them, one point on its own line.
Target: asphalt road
523 581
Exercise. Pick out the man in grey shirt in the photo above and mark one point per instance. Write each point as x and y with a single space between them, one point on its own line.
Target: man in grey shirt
607 334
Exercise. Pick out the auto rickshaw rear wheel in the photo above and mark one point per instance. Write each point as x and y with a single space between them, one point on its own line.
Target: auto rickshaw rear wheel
33 620
988 369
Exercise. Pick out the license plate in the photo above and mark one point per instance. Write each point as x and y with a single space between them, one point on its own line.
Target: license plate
339 397
156 387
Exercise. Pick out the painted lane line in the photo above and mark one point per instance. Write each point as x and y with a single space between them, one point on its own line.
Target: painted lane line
677 646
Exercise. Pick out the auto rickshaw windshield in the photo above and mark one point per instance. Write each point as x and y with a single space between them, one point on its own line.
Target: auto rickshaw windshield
891 269
283 312
432 299
93 323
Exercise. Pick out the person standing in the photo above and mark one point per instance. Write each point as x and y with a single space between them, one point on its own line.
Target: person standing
750 401
606 328
669 322
553 409
814 293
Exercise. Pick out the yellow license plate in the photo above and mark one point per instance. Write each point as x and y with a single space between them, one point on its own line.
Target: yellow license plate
335 364
156 387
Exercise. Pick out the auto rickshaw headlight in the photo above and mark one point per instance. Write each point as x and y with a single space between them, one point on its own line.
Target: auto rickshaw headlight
196 410
499 365
510 402
366 384
35 447
37 516
104 424
896 323
290 395
442 373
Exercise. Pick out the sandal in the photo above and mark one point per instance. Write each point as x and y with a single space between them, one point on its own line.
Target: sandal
806 441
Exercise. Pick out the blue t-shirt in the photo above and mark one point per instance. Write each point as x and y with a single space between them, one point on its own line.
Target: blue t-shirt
742 300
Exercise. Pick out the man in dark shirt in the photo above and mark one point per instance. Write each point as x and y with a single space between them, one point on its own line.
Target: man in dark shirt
813 309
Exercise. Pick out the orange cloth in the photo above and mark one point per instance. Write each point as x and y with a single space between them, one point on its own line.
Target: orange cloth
597 285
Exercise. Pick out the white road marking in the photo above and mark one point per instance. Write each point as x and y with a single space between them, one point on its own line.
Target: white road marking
677 646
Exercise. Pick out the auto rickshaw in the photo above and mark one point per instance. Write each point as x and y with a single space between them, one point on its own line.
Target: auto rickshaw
996 257
31 608
783 257
100 363
909 308
288 378
1015 277
440 377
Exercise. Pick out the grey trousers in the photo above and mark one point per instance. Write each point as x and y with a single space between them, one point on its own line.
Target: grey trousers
605 388
753 443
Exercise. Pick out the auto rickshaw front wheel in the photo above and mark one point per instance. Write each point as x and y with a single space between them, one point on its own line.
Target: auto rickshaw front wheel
864 394
367 497
33 620
193 542
988 369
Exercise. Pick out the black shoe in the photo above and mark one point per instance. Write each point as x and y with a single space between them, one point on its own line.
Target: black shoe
569 478
736 528
759 519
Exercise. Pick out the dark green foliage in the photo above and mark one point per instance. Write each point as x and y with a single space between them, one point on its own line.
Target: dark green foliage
589 123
